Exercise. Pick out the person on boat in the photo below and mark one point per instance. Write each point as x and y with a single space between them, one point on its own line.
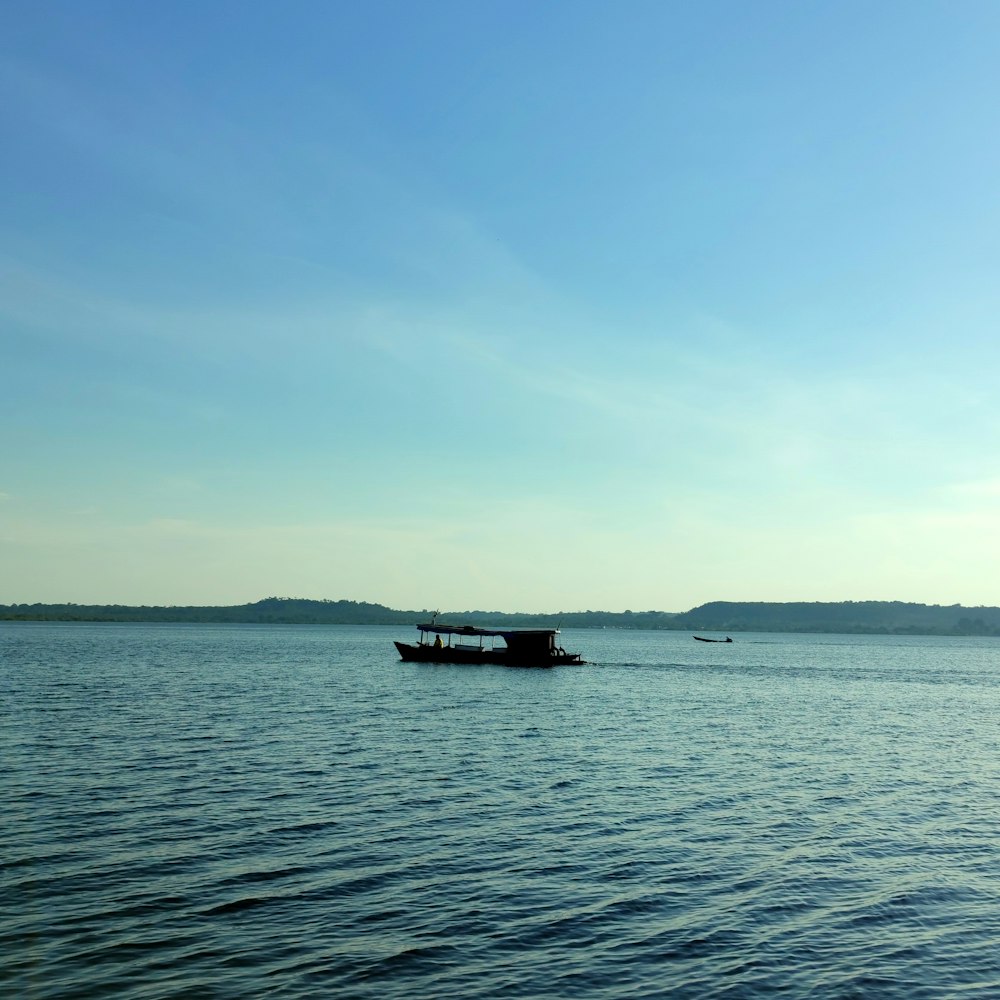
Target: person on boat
437 642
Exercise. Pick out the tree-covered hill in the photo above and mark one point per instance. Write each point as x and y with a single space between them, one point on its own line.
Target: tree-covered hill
271 610
873 617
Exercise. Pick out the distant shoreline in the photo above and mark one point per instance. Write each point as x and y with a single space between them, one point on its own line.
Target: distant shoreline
844 617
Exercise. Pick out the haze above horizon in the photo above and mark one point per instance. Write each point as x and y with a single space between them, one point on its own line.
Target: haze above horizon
556 306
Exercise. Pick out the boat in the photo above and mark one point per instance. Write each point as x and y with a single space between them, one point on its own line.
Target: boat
522 647
700 638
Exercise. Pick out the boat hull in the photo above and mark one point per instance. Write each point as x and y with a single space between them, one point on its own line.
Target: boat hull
427 653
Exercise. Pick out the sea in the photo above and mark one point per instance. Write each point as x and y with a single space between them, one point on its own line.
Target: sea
215 811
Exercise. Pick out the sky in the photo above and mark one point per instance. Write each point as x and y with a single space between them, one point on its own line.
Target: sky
500 305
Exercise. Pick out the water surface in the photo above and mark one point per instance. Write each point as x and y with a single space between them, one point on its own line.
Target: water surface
216 811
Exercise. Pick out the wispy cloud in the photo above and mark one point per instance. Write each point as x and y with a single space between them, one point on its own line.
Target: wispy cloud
977 490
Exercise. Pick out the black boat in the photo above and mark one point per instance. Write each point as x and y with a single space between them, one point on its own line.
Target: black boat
469 645
702 639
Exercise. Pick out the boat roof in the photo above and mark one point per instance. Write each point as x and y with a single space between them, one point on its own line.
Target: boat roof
473 630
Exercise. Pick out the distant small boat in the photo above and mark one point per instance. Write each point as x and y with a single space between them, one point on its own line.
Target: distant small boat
700 638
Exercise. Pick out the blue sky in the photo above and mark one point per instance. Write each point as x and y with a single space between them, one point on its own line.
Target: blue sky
508 306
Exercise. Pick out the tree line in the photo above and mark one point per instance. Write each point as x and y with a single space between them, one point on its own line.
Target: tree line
867 617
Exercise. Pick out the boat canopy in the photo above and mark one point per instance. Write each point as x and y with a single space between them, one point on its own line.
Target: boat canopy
472 630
